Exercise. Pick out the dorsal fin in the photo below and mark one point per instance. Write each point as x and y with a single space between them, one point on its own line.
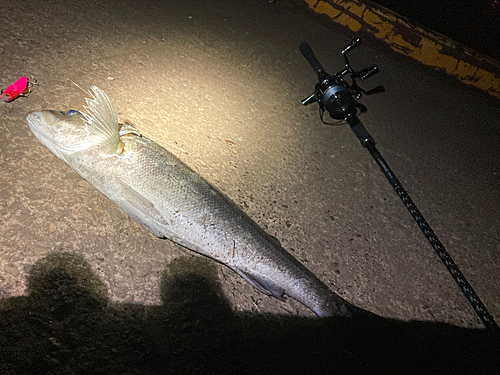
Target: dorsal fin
102 121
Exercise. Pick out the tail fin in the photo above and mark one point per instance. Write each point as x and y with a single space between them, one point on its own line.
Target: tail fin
102 121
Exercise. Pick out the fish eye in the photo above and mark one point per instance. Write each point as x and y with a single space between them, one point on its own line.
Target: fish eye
72 112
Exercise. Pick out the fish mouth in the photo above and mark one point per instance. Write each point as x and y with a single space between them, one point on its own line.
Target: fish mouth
41 124
37 123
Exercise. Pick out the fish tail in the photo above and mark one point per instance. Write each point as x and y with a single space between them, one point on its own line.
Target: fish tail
102 121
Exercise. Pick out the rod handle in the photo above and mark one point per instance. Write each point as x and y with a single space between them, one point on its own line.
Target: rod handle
308 53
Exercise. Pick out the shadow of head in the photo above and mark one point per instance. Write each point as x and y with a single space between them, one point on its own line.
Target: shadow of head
63 283
191 283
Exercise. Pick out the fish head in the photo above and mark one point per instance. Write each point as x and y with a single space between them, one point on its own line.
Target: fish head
63 133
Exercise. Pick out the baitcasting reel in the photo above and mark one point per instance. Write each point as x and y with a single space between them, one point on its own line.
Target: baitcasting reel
333 93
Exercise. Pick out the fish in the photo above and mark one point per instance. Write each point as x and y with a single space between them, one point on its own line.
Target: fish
164 195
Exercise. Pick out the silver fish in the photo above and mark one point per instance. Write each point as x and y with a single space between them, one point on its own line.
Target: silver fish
165 196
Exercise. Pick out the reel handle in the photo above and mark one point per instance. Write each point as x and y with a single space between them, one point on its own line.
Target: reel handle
366 73
356 42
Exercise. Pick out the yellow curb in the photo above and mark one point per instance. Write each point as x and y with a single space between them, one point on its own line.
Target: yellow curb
425 46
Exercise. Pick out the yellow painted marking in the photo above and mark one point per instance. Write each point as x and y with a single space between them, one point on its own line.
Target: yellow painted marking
356 9
351 23
323 8
386 25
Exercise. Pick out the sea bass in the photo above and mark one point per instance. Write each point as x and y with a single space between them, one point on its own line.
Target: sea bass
161 193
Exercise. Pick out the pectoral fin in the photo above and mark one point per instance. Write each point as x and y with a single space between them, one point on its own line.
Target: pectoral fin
142 209
263 284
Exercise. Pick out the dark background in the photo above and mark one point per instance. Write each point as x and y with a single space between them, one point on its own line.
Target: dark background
475 23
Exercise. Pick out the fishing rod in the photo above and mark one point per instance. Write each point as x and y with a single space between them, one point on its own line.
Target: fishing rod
340 98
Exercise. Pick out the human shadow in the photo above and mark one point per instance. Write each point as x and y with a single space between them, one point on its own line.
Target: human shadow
67 325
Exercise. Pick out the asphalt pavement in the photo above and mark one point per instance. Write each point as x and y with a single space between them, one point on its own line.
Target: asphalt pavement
83 288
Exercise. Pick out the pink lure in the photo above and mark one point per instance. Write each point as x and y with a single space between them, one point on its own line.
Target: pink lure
18 88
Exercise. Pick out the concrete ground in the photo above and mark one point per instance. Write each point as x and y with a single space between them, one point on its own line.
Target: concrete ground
85 289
